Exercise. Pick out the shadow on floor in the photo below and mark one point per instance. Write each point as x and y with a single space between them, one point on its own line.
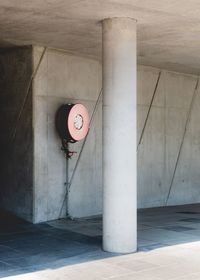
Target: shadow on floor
25 247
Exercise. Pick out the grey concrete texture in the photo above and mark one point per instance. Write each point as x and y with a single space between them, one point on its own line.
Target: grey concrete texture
16 164
119 76
157 154
63 78
168 31
33 170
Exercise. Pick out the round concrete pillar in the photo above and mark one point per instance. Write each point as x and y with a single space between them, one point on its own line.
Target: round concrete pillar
119 136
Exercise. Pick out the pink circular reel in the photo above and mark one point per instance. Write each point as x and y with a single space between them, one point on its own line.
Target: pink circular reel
78 122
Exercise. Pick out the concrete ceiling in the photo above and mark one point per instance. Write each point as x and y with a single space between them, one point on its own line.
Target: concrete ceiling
168 31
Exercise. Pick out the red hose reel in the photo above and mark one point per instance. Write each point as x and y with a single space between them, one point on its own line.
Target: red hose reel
72 124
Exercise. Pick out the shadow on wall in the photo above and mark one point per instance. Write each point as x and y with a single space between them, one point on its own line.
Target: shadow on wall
16 139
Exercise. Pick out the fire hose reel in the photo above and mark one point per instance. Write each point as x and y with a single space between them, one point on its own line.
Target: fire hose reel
72 124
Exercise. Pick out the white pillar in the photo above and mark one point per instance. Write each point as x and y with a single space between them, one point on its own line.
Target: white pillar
119 136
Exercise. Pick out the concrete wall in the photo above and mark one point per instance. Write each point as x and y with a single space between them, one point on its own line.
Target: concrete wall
16 169
157 154
63 78
33 168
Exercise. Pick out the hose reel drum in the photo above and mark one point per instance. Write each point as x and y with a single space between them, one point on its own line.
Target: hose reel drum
72 124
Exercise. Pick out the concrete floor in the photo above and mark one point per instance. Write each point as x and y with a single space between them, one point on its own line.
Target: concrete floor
168 248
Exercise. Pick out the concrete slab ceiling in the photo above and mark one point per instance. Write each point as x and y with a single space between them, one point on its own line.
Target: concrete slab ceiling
168 31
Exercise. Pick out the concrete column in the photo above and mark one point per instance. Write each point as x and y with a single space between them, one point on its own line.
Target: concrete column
119 136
